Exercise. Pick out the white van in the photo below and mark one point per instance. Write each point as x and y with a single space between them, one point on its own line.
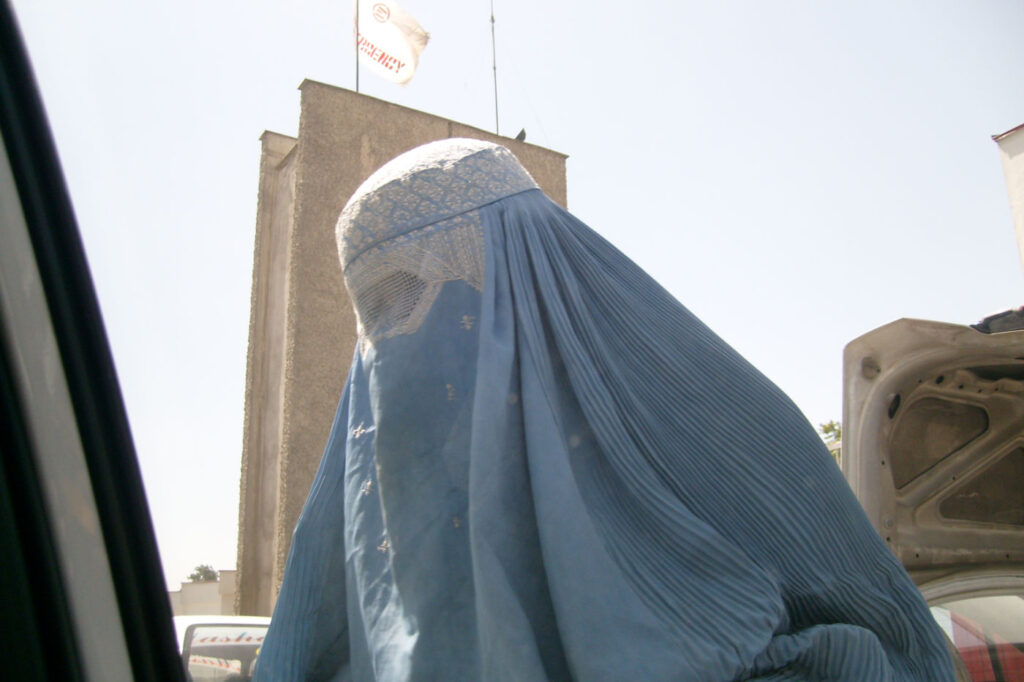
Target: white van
220 648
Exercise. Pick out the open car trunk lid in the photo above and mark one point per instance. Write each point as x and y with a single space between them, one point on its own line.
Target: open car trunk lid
933 447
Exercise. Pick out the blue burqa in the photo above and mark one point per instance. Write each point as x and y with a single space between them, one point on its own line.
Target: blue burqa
544 467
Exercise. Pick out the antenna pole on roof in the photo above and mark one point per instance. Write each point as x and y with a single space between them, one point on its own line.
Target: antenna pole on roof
357 46
494 58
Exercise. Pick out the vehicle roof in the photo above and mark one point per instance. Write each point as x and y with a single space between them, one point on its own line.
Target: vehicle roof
182 623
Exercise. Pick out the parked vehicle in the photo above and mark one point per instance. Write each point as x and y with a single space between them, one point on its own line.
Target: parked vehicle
933 446
220 648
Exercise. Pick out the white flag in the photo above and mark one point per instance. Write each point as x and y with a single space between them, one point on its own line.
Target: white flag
389 40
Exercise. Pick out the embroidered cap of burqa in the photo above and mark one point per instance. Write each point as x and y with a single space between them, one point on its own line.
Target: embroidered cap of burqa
543 466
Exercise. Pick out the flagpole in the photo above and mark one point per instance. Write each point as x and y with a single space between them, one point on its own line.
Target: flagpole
357 46
494 62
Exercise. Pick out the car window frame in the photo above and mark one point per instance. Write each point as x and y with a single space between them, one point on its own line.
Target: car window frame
51 263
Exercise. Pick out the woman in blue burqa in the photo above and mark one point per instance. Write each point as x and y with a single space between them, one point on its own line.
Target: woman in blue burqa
544 467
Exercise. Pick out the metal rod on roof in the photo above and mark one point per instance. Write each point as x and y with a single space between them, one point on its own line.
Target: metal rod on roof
356 45
494 58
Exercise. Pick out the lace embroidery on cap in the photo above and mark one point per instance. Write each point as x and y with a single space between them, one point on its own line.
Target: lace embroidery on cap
412 226
423 186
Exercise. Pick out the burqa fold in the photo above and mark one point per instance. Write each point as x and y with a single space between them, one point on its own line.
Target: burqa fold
543 466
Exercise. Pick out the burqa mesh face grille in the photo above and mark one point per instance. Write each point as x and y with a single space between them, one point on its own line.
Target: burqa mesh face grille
387 305
394 284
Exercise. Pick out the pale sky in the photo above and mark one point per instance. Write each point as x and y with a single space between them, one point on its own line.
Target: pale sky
796 173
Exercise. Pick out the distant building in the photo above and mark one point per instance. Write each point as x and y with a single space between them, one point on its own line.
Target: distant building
208 598
301 327
835 448
1011 148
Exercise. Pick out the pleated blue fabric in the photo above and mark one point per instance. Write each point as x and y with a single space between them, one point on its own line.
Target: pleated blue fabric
544 467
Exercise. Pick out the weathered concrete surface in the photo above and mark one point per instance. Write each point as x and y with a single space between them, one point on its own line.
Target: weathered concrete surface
302 327
214 597
261 444
1011 152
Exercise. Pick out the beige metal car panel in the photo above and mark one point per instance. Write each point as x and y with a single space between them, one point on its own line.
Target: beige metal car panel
933 446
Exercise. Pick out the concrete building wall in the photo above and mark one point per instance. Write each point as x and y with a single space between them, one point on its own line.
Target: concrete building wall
302 327
264 389
1011 149
210 598
226 592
